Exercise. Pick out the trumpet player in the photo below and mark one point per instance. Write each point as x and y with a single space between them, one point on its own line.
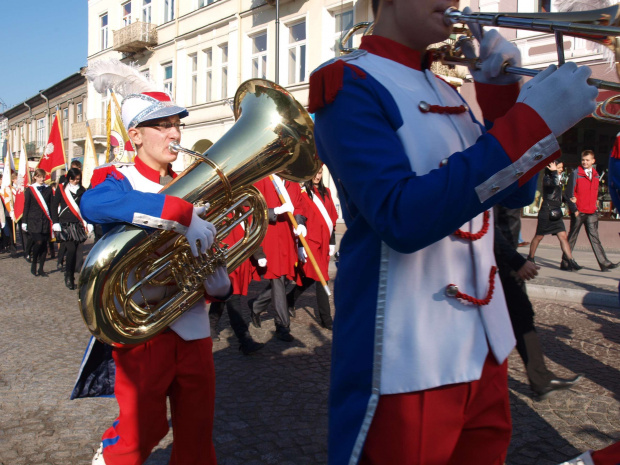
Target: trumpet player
422 335
177 363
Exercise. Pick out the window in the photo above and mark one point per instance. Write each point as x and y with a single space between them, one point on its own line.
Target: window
78 112
168 10
168 78
146 11
224 50
297 53
202 3
65 123
41 132
104 31
259 56
126 13
209 74
544 6
193 77
344 22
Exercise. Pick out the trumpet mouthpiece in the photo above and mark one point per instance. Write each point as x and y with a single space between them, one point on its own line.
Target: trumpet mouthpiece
174 146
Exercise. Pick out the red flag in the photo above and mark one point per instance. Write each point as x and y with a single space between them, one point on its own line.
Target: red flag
54 154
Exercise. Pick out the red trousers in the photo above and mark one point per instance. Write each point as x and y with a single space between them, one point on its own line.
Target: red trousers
458 424
608 456
165 366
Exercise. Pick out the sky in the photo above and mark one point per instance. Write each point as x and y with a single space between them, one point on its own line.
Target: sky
41 43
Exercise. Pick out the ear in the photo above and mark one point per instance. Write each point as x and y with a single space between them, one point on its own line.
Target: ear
135 135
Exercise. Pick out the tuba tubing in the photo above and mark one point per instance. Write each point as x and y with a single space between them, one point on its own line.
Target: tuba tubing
272 133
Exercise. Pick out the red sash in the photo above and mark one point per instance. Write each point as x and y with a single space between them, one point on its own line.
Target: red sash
73 207
43 206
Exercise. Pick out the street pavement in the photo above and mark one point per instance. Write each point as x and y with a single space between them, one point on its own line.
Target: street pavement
271 407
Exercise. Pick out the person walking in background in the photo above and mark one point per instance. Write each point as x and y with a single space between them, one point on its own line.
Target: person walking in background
37 220
582 191
550 215
514 270
321 219
69 225
60 265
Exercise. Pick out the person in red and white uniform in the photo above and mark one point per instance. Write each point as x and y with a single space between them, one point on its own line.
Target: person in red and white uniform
421 330
280 250
177 363
321 238
37 221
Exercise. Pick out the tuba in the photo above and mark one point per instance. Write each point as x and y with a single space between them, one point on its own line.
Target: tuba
272 134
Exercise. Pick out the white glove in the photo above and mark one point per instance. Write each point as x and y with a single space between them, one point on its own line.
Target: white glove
24 227
56 227
200 230
218 284
12 215
262 262
495 50
284 208
332 250
301 254
561 97
300 230
90 228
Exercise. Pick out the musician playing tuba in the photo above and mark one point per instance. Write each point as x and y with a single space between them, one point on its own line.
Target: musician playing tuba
422 334
178 362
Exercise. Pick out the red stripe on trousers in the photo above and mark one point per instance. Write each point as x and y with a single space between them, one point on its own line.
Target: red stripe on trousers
145 375
458 424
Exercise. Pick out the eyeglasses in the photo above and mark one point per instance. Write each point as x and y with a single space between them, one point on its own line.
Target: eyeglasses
165 125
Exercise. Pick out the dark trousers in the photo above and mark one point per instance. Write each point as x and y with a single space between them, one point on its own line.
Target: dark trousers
322 299
522 319
591 222
233 306
61 253
70 252
39 250
274 292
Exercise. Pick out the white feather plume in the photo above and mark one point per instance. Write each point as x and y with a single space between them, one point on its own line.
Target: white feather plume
119 77
581 5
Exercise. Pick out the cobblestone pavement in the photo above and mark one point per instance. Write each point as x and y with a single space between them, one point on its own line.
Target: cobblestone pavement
271 407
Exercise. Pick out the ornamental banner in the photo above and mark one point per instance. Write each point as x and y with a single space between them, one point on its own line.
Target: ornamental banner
53 157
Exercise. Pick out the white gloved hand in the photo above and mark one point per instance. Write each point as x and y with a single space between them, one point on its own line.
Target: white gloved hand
284 208
12 215
495 50
90 228
24 227
562 97
262 262
218 284
300 230
301 254
56 227
332 250
200 230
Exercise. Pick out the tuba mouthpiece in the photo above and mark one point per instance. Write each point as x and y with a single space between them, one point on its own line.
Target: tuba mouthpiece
174 146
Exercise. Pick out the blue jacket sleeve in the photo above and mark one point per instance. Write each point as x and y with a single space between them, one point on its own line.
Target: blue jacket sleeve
356 138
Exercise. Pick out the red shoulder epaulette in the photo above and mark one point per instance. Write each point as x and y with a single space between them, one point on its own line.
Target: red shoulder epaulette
100 174
326 82
615 151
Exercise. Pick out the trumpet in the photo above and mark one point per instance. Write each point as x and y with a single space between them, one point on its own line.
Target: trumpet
601 26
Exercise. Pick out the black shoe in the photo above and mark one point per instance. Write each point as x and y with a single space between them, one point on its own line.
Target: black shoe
556 384
284 334
28 259
572 264
291 312
609 267
215 334
565 266
249 346
42 273
60 266
531 259
33 271
327 326
255 317
69 283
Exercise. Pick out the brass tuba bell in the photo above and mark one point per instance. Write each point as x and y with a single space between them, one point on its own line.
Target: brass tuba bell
272 134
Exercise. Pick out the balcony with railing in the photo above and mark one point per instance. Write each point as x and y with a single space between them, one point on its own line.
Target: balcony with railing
135 37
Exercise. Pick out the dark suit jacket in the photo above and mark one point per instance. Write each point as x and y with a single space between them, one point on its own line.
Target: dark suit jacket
34 216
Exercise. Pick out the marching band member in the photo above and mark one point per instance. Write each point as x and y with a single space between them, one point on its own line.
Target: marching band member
37 221
421 337
321 238
280 251
68 224
177 363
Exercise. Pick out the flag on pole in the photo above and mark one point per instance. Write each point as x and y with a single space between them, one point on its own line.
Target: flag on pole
6 190
22 182
54 154
90 158
119 148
